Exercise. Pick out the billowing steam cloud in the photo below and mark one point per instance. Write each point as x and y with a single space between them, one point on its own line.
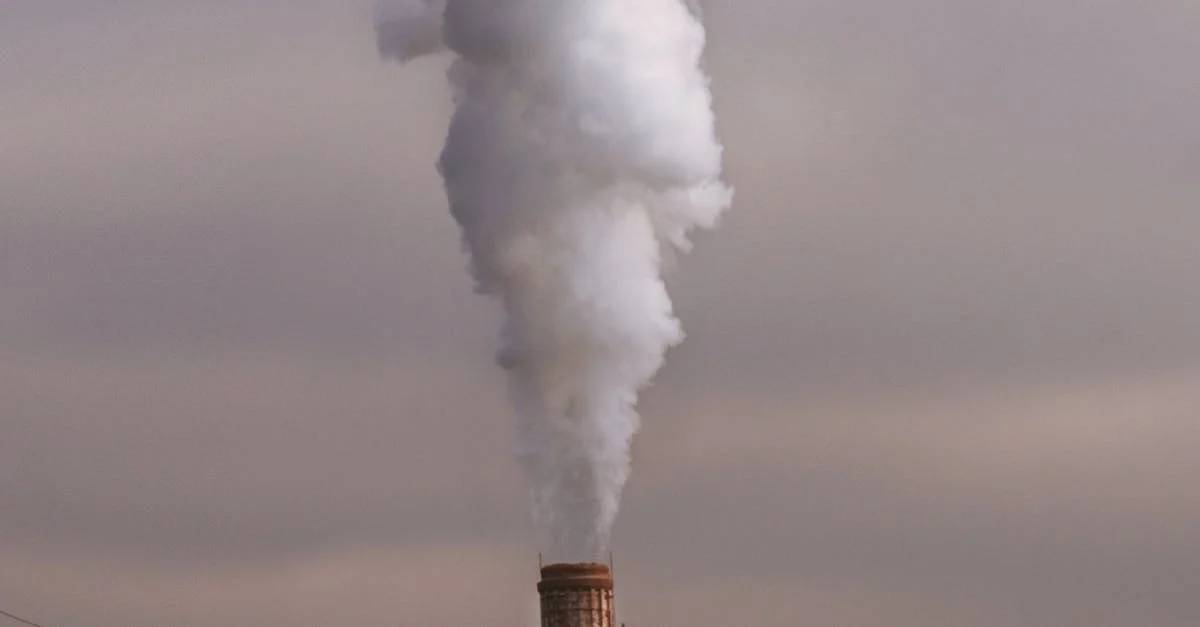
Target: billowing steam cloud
582 150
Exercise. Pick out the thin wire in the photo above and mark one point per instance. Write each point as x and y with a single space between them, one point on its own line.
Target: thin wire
19 619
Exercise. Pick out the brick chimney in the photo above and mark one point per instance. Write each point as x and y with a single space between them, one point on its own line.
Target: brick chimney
576 595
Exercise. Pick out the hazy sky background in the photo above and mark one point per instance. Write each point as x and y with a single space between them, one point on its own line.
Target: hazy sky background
943 365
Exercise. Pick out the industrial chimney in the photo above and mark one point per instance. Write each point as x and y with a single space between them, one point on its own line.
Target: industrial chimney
576 595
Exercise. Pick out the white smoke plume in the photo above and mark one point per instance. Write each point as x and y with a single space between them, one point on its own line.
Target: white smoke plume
582 150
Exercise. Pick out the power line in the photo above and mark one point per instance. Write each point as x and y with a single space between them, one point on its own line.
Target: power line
19 619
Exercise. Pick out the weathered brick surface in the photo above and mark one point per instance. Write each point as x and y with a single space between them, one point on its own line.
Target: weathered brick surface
577 608
576 595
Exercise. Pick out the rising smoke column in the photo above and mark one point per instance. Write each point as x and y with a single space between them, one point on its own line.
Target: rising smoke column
582 150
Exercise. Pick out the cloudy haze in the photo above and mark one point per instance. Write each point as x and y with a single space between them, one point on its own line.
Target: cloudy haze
943 364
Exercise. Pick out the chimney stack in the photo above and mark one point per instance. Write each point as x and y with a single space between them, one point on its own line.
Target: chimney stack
576 595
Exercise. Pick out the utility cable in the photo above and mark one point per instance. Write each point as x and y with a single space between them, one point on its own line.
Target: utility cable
19 619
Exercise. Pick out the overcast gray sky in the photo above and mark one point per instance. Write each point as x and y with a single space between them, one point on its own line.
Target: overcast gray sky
943 364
